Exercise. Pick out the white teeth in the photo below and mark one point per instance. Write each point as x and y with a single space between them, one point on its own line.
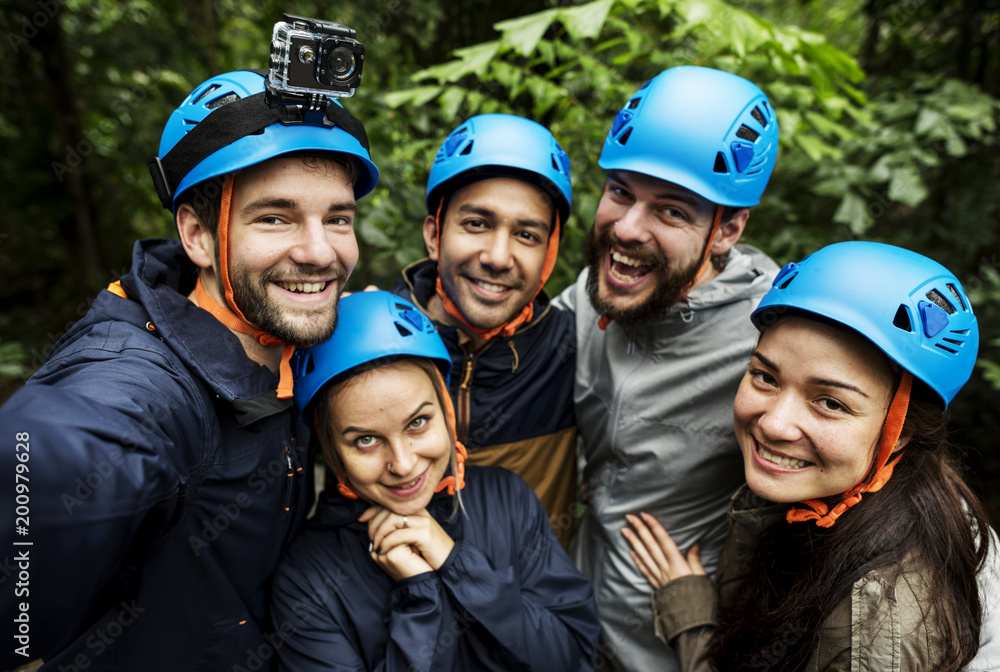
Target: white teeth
628 261
780 461
619 276
303 287
490 286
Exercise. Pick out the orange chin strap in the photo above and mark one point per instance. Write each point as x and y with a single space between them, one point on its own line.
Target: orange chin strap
603 321
452 483
233 317
706 258
820 512
508 328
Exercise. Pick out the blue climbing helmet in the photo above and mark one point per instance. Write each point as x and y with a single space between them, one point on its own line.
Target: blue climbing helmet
370 326
501 145
226 124
706 130
913 308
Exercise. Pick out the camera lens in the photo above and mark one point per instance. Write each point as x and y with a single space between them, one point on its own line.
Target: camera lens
341 63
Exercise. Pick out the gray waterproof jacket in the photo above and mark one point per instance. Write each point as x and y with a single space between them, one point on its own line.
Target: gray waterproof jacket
654 405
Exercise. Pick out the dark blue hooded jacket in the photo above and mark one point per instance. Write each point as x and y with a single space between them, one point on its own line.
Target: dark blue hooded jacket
165 480
507 598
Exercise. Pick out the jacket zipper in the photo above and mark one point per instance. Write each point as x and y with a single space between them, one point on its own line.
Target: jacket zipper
464 404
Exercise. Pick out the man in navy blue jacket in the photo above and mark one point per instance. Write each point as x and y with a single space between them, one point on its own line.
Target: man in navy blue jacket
498 197
160 468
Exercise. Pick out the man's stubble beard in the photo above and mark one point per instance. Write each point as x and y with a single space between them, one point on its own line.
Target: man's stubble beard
257 306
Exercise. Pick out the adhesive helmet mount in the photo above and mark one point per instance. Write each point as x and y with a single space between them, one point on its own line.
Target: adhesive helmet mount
911 307
226 124
501 145
706 130
370 326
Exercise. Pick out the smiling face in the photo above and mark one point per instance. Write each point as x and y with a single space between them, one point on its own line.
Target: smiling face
647 245
810 410
492 248
389 418
292 246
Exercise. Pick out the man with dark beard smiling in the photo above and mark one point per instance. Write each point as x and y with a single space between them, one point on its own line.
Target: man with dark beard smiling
168 468
664 334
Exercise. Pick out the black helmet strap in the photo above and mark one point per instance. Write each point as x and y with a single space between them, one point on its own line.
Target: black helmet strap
226 125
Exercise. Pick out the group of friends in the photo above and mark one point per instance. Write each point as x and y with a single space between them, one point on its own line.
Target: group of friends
688 460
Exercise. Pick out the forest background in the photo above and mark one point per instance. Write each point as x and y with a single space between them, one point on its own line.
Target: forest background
888 111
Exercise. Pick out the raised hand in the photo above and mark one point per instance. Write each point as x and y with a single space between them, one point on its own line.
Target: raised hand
655 553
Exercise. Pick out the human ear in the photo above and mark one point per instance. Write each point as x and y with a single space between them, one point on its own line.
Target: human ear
729 232
904 438
198 241
430 237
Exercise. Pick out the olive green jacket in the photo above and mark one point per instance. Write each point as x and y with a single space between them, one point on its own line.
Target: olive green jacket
880 627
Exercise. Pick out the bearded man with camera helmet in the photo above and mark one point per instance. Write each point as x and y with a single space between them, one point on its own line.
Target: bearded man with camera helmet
168 467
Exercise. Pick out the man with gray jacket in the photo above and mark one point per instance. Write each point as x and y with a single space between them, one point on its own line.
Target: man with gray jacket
664 334
664 337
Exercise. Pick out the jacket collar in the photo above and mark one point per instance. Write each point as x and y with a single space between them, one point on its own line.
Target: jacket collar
336 511
420 278
161 278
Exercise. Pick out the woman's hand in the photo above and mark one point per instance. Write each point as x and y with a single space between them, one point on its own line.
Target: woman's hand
655 553
405 546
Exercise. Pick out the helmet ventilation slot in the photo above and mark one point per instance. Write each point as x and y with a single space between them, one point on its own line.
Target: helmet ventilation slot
958 296
222 100
210 89
759 116
634 103
788 281
902 319
623 138
747 133
403 331
937 298
720 163
453 141
468 149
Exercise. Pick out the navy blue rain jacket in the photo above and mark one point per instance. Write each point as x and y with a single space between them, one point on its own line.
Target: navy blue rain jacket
507 598
164 481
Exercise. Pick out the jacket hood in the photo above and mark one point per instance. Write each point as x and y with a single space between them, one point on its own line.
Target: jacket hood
745 271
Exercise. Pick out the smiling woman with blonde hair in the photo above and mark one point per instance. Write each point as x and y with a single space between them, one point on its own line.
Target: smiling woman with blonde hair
855 544
413 561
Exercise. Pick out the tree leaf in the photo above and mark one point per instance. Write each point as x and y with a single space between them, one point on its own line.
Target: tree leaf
416 96
852 212
906 186
451 100
586 20
471 60
523 33
815 147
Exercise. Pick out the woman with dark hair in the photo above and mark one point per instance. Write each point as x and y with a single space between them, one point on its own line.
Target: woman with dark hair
855 545
413 561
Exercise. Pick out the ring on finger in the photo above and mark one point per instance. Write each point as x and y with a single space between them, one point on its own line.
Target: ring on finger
405 524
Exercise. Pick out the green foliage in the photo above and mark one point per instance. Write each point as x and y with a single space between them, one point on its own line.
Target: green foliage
889 129
910 159
573 67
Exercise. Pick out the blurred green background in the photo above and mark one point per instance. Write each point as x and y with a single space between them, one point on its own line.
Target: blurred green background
888 113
